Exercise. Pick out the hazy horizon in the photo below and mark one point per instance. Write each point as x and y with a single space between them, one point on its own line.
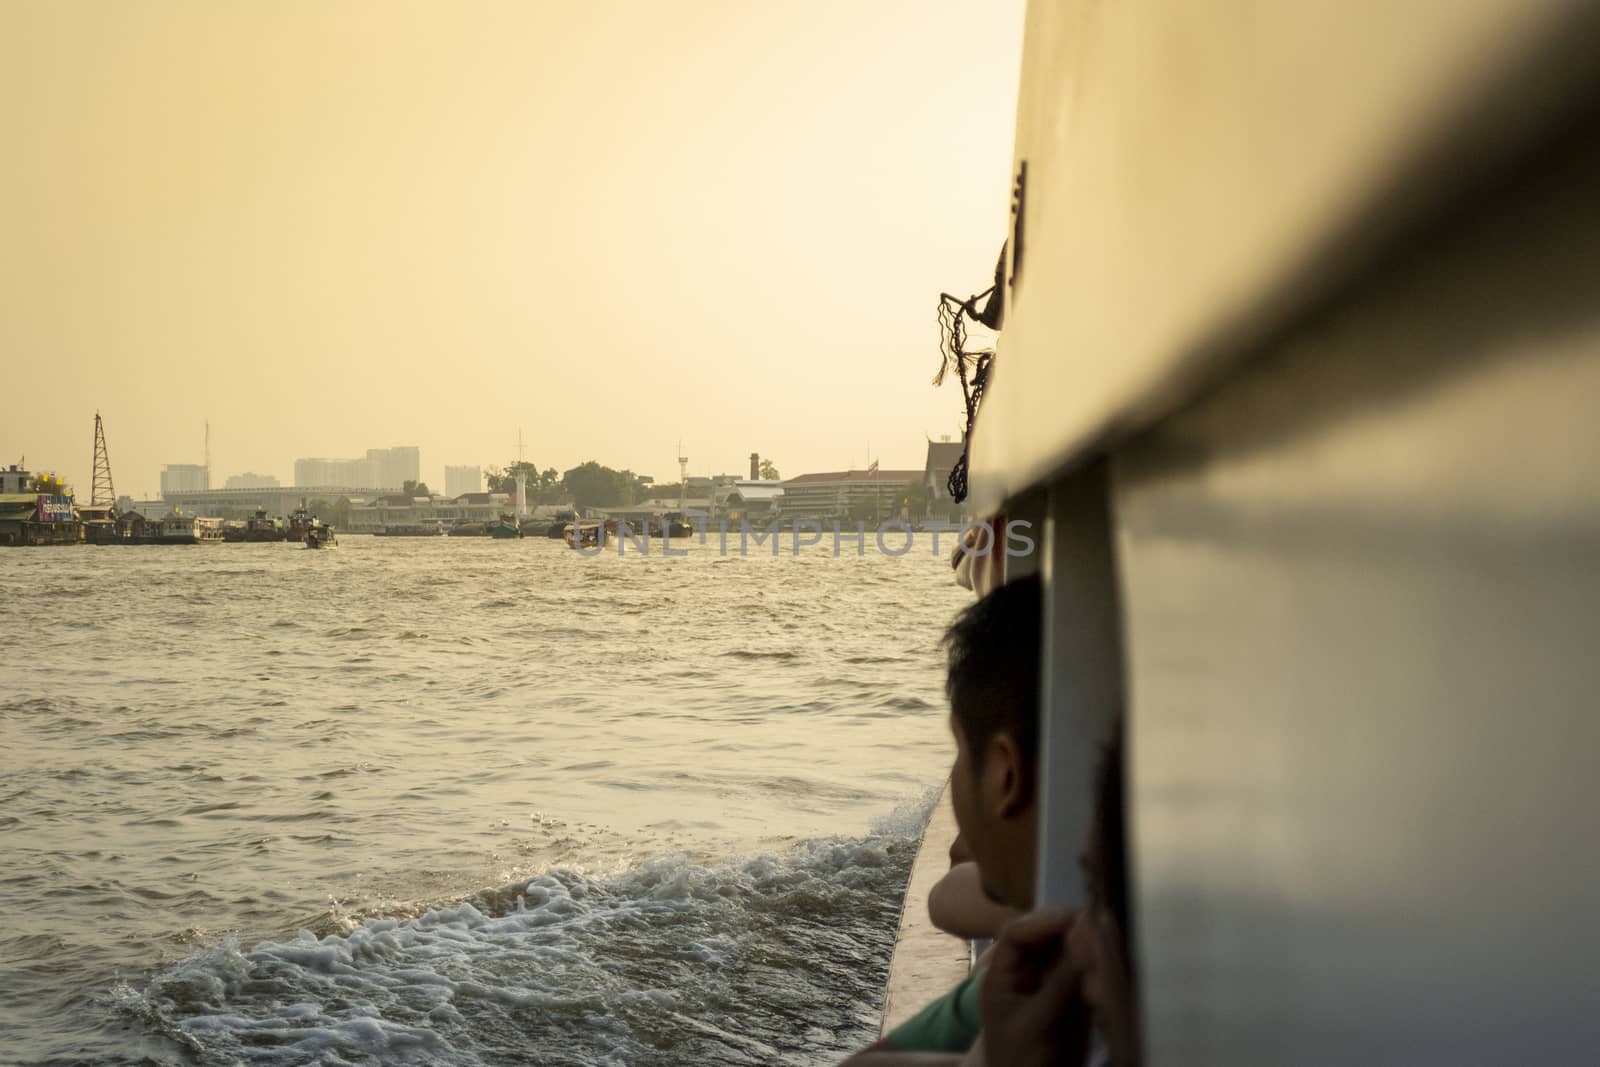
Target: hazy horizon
333 228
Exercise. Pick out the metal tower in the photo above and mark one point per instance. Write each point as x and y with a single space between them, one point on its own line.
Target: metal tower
102 468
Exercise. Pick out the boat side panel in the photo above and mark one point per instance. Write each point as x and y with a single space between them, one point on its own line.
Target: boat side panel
1360 590
1198 175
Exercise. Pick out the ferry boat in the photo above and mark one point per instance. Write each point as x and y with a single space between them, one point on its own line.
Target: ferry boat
412 529
180 529
1301 424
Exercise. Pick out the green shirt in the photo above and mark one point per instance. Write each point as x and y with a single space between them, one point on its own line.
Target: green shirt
949 1024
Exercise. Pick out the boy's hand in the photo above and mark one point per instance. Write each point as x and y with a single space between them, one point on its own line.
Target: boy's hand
1032 1001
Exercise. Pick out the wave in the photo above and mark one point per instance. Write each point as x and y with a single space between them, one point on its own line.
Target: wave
772 958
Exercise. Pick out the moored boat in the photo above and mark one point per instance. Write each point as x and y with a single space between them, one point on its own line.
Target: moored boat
507 526
300 523
412 529
180 529
264 527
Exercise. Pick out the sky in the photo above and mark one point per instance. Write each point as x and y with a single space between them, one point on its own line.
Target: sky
609 226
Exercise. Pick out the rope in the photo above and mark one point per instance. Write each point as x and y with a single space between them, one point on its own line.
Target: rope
971 367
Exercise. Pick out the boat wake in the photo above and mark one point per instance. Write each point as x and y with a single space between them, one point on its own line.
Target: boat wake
766 959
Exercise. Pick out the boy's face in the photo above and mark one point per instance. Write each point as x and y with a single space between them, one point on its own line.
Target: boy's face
994 811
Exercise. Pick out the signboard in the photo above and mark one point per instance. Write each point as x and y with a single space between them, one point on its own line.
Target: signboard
54 509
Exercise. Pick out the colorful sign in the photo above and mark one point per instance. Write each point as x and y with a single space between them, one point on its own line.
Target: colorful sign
54 509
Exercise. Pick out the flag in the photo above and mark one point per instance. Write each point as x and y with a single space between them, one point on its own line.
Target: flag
872 471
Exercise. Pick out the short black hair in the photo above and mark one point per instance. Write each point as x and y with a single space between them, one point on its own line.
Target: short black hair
993 668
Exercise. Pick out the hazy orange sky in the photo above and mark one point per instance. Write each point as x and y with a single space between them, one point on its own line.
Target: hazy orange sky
334 226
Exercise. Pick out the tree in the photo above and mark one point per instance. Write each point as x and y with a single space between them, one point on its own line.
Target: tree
505 481
592 486
411 488
769 472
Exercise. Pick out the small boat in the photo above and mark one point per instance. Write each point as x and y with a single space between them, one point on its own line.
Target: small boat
506 526
674 525
558 529
589 534
469 529
321 536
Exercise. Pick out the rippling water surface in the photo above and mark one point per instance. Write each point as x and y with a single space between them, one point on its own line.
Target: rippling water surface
459 801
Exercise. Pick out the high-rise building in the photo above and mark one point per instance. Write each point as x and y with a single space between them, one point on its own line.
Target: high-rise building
458 480
382 468
344 473
247 480
185 478
393 467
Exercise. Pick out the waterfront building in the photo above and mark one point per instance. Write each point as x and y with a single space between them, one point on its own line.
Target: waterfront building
459 480
846 494
185 478
29 517
942 458
375 512
16 479
242 503
753 500
248 480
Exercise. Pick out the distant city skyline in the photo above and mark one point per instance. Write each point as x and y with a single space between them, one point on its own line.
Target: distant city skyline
323 227
354 472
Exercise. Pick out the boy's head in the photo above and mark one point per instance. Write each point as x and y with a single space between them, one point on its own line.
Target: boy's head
993 685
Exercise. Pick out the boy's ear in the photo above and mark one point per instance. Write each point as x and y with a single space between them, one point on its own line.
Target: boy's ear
1006 780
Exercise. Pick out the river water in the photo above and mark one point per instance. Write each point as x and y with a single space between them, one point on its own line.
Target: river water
459 801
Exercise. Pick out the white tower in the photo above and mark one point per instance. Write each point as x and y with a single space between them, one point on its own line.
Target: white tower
683 477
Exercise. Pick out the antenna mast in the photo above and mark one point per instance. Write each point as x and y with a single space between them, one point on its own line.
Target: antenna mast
102 467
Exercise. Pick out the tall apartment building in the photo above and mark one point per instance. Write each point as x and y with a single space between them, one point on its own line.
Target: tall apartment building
381 468
348 473
394 467
458 480
250 480
185 478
